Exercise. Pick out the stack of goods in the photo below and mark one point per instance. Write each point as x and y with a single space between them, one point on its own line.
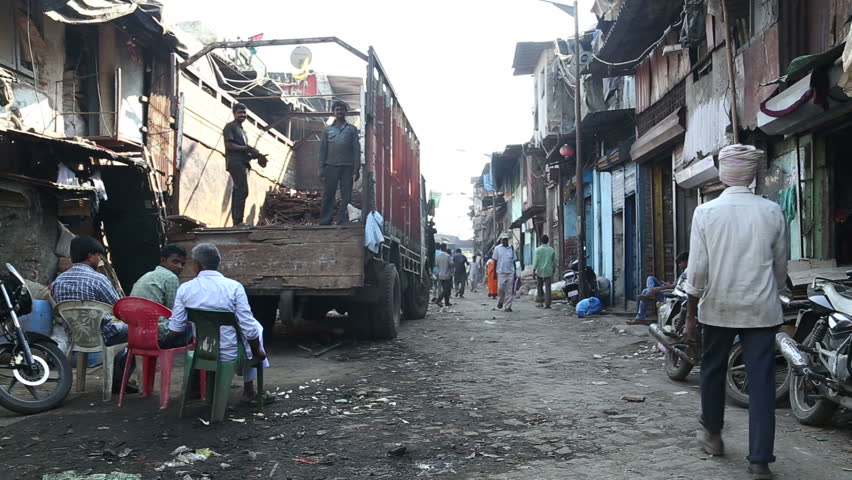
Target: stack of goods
291 207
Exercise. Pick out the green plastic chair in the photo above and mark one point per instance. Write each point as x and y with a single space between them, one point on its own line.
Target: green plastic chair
206 357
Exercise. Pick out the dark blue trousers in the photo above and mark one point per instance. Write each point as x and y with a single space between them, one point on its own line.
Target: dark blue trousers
759 358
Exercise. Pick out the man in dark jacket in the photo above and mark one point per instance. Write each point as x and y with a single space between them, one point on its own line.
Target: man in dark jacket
340 164
238 155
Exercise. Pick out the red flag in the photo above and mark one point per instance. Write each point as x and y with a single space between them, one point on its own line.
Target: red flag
259 36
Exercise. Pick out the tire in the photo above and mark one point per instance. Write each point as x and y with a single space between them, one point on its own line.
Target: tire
736 379
385 314
416 301
808 412
677 368
56 361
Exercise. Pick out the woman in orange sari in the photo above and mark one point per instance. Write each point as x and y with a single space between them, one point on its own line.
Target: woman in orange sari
491 275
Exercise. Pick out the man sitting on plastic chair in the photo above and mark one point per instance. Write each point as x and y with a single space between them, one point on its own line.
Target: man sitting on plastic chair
211 290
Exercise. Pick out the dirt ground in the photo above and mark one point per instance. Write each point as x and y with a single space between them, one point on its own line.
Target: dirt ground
467 393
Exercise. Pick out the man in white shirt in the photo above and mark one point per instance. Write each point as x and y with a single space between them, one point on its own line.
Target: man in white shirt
504 255
737 265
211 290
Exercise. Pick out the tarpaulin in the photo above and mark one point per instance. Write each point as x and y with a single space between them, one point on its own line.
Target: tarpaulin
96 11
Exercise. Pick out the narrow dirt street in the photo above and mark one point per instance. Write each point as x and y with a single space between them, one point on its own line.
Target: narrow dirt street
468 393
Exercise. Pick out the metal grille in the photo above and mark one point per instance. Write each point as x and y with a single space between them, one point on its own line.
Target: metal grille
674 99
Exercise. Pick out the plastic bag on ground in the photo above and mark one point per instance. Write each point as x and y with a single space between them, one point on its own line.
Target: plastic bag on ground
589 306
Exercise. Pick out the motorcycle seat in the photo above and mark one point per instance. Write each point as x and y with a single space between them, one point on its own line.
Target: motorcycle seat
840 297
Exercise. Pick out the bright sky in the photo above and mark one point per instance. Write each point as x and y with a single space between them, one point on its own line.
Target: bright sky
449 61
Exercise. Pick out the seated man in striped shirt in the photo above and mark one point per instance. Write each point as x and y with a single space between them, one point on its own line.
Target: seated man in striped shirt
83 282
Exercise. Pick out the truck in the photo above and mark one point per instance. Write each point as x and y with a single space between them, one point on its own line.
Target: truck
299 273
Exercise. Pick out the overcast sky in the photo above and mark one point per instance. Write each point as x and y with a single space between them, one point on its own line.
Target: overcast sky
449 61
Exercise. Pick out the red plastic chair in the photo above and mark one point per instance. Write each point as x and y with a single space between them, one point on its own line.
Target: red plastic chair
142 317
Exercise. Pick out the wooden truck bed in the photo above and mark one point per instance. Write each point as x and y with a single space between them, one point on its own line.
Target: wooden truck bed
267 260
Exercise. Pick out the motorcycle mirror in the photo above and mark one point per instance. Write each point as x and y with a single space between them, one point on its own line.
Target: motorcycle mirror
15 273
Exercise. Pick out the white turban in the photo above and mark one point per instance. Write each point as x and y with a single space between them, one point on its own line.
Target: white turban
738 165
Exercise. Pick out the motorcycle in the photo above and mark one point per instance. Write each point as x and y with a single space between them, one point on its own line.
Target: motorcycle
821 374
680 358
572 282
35 375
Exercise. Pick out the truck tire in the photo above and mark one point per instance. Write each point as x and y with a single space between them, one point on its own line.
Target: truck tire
265 310
416 301
386 312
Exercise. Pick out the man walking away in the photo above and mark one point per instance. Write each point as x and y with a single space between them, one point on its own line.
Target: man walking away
340 164
504 255
238 155
737 265
475 274
445 276
543 261
460 264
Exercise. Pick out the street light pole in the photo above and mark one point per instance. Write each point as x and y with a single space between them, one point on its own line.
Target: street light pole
578 176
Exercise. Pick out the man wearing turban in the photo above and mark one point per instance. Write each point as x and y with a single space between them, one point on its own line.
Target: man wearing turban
737 265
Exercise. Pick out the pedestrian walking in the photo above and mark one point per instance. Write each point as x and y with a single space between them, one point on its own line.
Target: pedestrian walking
504 255
475 274
445 276
460 264
738 240
543 261
491 274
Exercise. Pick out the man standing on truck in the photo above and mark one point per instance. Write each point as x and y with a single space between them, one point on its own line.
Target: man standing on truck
238 155
340 164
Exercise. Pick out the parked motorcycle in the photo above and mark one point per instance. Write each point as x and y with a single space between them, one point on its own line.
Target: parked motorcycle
572 282
34 373
821 376
680 358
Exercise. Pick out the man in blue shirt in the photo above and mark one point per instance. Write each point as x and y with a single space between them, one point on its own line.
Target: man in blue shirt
340 164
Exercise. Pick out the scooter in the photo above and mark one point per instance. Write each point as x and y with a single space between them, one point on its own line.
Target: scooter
572 282
821 374
35 375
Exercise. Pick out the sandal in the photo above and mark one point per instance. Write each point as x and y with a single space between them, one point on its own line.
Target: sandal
639 321
267 399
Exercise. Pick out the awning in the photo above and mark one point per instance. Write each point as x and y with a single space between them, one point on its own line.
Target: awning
87 189
802 105
78 146
697 173
660 137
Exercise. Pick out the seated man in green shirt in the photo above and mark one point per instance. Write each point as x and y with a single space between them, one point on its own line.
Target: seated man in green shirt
160 285
543 262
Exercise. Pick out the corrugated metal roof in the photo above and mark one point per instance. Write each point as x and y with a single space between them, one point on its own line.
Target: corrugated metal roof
527 55
640 23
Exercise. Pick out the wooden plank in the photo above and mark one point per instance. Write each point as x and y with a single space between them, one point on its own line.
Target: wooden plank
300 258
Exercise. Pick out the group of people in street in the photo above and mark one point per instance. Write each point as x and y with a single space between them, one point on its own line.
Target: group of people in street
209 290
451 275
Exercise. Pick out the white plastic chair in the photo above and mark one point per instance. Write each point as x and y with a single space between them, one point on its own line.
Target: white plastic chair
84 318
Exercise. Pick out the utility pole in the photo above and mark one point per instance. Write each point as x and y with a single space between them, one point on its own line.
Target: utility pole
578 177
732 75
